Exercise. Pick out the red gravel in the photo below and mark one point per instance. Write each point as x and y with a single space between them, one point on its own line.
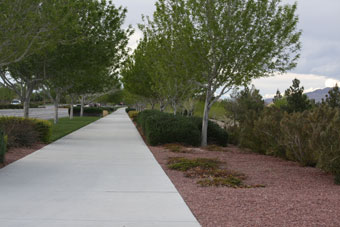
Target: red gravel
293 196
15 154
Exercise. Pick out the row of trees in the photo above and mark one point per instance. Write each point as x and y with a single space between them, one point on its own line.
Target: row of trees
61 47
208 47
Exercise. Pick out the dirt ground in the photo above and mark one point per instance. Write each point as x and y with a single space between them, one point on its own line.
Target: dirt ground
14 154
292 196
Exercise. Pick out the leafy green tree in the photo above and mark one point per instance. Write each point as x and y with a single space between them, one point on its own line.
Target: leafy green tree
6 95
232 42
333 97
137 77
296 100
27 26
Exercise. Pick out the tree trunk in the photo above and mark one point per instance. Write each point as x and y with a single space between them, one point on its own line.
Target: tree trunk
152 106
26 108
82 104
161 106
71 107
56 103
174 106
205 121
27 100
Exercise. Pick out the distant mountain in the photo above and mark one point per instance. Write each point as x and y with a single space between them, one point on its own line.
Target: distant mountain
318 95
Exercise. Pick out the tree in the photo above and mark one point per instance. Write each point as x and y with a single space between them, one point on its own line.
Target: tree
245 101
137 77
27 26
278 96
333 97
91 64
23 77
6 95
296 100
235 41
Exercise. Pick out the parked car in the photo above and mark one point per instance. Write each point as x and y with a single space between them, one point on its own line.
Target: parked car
16 102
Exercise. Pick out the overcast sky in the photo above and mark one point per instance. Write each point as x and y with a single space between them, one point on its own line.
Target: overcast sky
319 65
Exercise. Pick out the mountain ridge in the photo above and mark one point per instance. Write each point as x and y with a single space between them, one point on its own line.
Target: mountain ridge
317 95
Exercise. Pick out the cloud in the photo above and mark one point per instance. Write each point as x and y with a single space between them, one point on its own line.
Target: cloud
331 82
134 38
268 86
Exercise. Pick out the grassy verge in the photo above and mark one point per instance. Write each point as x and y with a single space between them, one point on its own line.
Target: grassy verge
66 126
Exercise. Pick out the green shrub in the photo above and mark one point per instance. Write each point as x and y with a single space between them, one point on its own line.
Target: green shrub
3 147
25 132
133 114
268 130
44 129
248 138
142 116
216 134
19 106
184 164
127 110
91 111
325 139
160 128
296 131
167 128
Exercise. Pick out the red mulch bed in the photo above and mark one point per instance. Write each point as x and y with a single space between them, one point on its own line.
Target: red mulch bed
293 196
15 154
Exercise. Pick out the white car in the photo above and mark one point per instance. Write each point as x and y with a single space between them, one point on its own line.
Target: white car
16 102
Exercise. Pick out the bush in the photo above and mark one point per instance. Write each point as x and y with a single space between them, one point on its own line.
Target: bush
3 147
268 131
133 114
25 132
44 129
216 134
20 106
166 128
142 116
91 111
129 109
160 128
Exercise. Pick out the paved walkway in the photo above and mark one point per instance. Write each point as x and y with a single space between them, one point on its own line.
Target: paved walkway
101 175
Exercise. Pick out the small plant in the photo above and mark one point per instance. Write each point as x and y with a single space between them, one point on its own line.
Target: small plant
229 181
176 148
204 173
184 164
209 172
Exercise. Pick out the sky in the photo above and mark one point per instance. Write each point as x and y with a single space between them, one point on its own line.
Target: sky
319 64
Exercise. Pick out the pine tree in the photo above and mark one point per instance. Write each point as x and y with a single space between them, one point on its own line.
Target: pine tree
277 97
333 97
296 100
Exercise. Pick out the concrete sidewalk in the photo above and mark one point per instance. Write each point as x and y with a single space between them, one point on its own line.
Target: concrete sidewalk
101 175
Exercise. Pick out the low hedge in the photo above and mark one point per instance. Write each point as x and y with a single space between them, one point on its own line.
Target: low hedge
133 114
25 132
161 128
166 128
3 147
19 106
91 111
129 109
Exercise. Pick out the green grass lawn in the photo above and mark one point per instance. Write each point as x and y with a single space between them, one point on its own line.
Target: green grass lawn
66 126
